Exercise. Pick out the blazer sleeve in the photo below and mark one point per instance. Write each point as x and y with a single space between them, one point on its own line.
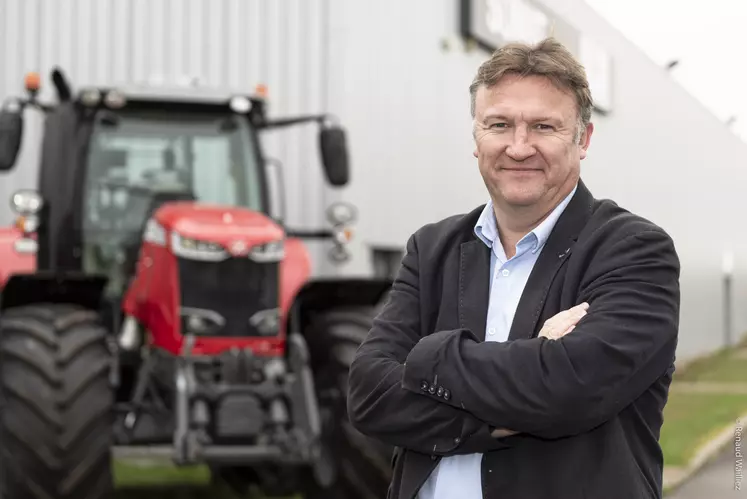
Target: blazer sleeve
379 406
555 388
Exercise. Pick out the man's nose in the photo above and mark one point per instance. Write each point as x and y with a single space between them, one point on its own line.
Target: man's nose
520 147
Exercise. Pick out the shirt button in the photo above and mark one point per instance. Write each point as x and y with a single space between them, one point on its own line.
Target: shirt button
424 385
506 272
447 394
432 389
457 440
491 330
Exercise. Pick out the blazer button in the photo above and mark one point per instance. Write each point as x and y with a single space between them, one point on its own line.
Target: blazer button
440 392
432 389
447 394
424 385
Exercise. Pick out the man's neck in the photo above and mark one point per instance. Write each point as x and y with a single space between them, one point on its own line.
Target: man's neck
515 225
515 222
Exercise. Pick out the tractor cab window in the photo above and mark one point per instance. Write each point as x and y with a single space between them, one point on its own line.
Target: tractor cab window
137 160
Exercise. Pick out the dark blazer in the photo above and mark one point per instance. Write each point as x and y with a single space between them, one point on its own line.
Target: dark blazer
588 407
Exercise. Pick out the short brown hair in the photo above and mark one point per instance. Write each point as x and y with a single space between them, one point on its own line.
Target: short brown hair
548 58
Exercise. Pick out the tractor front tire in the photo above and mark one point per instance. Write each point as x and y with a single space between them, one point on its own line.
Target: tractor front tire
56 417
360 467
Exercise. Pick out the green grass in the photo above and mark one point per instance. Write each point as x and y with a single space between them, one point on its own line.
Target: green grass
152 479
721 366
159 479
147 472
691 419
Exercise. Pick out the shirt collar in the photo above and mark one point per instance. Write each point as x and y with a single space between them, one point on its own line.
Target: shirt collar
486 228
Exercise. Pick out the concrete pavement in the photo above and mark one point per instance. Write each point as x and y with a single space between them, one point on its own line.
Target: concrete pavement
714 481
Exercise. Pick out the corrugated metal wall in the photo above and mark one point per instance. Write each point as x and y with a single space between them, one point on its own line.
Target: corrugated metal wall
225 43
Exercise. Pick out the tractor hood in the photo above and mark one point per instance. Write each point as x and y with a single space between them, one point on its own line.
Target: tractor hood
224 225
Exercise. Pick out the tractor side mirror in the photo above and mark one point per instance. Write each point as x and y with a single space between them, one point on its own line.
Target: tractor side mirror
11 131
333 144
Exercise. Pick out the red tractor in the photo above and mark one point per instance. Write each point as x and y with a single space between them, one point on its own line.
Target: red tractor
152 305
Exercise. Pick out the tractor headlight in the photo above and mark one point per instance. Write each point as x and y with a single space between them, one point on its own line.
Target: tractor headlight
90 97
27 202
196 249
154 233
269 252
341 213
201 322
115 99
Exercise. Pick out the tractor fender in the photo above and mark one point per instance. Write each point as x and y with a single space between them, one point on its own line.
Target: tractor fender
319 295
53 287
11 261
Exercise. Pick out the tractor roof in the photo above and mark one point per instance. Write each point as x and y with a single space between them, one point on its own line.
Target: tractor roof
174 97
191 94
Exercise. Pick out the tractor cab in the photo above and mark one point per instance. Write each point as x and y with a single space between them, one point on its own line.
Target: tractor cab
111 157
141 156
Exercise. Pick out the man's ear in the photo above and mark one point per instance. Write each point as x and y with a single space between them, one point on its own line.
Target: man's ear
585 139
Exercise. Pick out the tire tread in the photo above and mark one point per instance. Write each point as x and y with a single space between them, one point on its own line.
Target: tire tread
63 448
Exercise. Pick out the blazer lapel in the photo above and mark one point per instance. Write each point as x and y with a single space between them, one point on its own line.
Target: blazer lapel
474 280
532 300
555 253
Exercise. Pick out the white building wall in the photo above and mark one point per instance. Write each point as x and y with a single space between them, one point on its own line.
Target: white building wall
397 74
659 153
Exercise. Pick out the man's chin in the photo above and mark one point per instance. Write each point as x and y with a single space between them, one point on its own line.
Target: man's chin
521 198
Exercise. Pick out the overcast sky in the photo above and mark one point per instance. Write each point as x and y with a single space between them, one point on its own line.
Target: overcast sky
708 38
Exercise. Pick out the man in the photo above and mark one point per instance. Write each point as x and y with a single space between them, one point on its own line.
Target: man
527 347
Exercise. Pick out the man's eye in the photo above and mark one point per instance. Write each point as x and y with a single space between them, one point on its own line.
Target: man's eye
499 125
544 126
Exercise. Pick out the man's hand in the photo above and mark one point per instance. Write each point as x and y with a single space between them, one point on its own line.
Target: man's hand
554 328
564 322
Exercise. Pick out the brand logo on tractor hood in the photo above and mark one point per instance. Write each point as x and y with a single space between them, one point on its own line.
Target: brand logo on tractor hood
238 248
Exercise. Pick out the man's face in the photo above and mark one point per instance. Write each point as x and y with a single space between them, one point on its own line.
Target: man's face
526 141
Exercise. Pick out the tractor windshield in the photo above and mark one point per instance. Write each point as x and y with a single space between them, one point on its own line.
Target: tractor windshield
137 160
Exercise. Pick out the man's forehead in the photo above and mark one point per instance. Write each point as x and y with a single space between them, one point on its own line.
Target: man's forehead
532 101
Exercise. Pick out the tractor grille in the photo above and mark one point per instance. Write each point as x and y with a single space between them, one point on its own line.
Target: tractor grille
235 288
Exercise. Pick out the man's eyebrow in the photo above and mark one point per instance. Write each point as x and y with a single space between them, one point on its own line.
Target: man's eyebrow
554 119
494 116
501 116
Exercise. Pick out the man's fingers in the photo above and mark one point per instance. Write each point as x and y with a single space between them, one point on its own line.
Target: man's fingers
573 313
564 322
502 432
579 309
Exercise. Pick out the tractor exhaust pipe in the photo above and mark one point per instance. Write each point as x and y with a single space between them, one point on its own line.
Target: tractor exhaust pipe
62 85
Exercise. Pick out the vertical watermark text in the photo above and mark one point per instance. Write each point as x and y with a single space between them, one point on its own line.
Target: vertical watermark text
738 455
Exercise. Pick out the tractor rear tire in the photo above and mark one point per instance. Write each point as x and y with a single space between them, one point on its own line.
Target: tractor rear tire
361 466
56 419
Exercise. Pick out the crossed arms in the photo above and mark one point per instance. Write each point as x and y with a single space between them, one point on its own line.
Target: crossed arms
541 387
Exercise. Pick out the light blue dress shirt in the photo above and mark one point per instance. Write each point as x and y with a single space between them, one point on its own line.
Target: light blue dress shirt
460 477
